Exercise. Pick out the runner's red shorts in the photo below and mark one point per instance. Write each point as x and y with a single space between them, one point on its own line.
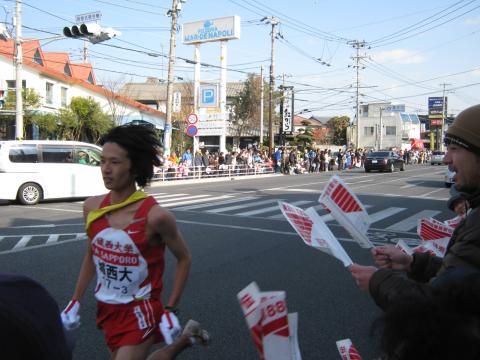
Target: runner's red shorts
129 324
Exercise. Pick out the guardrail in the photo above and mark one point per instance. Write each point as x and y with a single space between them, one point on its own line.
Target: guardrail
201 172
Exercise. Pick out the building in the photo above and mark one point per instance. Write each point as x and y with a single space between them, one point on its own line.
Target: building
384 126
153 93
56 79
318 124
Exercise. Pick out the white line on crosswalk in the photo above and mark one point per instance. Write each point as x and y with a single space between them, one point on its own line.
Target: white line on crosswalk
161 196
383 214
52 238
193 201
271 208
241 206
217 203
180 200
22 242
412 221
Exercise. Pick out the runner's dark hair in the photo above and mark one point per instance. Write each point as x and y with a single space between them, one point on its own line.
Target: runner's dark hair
141 145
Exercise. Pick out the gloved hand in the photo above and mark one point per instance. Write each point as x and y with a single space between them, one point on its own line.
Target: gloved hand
70 316
169 327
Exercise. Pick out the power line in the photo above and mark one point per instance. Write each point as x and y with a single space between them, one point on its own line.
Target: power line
385 42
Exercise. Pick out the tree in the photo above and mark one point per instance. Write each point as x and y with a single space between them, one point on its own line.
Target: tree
305 136
246 106
83 120
116 104
339 125
180 140
31 102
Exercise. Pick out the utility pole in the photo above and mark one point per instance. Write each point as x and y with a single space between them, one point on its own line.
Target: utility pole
167 133
85 51
261 107
357 45
18 72
440 138
274 23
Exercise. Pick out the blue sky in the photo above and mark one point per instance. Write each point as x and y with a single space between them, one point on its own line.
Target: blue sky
412 46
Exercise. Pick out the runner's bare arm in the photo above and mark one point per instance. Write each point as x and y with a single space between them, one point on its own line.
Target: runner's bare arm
87 270
163 223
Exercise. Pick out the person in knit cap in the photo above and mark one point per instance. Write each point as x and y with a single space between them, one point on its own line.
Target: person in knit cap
462 257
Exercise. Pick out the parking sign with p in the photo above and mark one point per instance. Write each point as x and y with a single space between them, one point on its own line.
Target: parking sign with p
208 96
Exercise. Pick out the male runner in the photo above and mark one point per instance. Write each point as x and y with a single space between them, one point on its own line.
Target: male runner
127 236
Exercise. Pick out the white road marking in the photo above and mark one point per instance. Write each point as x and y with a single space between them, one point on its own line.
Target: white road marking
193 201
22 242
383 214
218 203
242 206
271 208
162 196
53 238
412 221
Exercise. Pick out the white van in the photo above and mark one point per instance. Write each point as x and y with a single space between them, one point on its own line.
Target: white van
34 170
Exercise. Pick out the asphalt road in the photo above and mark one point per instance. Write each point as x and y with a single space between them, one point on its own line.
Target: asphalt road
237 235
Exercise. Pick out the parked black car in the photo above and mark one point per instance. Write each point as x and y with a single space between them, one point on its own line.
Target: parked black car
384 161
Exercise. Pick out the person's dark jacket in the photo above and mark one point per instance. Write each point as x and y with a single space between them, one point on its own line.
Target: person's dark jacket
463 251
198 160
205 160
292 158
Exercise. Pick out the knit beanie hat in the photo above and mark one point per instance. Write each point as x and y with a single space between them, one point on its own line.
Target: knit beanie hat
465 130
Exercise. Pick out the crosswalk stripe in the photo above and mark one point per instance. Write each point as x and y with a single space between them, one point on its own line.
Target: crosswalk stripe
242 206
22 242
180 200
193 201
217 203
383 214
161 196
52 238
2 237
412 221
326 217
271 208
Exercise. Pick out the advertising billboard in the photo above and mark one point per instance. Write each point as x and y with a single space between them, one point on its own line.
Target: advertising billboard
436 108
287 110
225 28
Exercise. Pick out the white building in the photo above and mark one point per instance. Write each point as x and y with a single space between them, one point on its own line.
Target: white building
57 80
384 126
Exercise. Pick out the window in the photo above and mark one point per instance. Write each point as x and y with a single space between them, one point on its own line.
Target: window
49 93
23 154
11 84
87 156
90 78
63 94
368 131
56 154
37 58
66 70
390 130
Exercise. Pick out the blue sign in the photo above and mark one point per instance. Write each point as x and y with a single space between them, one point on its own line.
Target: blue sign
208 96
191 130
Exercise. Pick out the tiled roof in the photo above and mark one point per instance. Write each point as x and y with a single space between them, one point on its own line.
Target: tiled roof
29 48
56 60
84 72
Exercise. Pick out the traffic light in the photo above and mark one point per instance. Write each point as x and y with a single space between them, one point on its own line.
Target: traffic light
93 31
